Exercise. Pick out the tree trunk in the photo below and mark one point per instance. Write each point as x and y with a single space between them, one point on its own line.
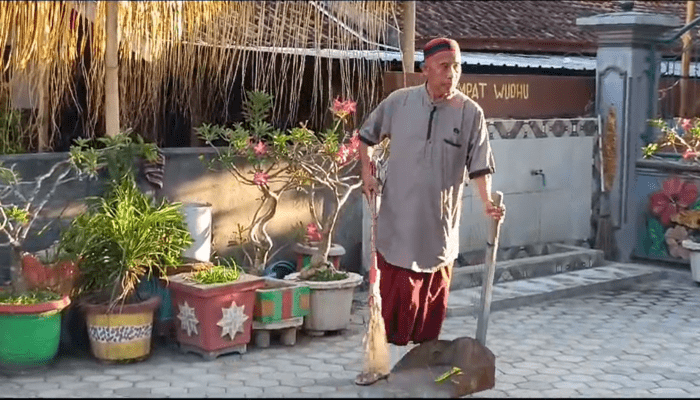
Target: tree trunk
19 285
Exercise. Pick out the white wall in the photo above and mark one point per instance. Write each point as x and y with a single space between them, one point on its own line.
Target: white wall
535 213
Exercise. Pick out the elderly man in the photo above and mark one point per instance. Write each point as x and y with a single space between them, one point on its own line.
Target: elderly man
439 142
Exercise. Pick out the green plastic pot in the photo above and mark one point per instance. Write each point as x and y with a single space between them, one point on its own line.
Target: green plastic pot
30 334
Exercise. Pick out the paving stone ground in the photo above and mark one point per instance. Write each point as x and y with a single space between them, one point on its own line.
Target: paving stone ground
638 342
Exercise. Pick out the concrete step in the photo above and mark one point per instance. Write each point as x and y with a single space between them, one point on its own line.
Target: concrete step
511 294
562 258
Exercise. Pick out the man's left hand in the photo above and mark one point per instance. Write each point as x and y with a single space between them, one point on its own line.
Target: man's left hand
494 212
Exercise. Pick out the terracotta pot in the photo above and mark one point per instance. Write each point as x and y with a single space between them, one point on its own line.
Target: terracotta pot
124 334
214 319
305 252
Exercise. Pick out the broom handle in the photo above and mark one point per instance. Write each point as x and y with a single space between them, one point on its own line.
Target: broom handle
373 270
489 273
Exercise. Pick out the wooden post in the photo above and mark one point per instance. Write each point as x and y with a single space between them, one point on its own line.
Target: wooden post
409 35
111 69
685 61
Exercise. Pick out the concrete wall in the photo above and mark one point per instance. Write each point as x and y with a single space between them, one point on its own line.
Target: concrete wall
186 179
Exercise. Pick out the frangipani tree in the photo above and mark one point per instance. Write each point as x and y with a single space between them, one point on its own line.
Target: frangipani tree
300 159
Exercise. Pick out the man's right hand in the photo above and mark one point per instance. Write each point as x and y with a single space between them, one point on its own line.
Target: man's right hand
370 186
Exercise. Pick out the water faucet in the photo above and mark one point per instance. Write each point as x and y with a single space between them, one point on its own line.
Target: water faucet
539 172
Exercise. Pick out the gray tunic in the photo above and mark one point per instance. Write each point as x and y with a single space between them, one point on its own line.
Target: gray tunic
435 149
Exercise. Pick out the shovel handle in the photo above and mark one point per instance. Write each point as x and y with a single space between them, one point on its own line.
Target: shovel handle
489 273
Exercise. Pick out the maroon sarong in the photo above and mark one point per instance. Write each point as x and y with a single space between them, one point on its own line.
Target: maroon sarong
413 303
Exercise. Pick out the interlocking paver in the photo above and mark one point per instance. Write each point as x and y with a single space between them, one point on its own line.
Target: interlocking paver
99 378
647 377
40 386
152 384
115 384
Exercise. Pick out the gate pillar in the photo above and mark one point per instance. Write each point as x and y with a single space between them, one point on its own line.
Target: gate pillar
627 76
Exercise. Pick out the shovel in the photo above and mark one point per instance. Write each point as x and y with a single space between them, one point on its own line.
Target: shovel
454 368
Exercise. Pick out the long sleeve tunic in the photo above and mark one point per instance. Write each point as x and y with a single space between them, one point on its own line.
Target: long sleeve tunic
436 147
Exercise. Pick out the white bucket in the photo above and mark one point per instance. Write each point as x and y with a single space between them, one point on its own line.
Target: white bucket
198 219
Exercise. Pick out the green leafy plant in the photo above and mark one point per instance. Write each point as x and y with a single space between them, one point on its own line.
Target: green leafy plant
683 136
28 298
123 238
10 130
228 272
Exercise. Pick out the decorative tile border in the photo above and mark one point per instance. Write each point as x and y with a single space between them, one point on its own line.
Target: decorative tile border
541 128
119 334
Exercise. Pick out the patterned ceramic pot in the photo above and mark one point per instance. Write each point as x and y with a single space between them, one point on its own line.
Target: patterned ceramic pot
124 334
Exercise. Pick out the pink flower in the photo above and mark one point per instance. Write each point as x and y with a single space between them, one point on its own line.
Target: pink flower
686 124
260 149
355 145
343 108
690 154
343 154
312 232
675 196
260 178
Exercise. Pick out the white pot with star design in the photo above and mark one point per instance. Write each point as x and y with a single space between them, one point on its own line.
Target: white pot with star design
213 319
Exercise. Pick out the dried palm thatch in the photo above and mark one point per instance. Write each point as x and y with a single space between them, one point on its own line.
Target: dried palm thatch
610 150
189 54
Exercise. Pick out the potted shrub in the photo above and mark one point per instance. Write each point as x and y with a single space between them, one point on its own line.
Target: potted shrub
31 306
124 237
326 164
214 308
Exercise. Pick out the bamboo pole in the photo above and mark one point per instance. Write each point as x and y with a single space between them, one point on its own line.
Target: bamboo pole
111 69
409 36
44 112
685 61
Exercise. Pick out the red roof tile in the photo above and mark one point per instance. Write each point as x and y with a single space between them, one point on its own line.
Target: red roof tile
522 26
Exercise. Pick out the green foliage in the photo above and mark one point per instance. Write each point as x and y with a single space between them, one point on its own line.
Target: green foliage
28 298
229 272
328 274
117 154
650 149
8 176
124 237
11 132
15 213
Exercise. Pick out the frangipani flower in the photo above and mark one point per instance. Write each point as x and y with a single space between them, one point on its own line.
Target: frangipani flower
676 195
260 149
690 154
686 124
342 109
260 178
312 232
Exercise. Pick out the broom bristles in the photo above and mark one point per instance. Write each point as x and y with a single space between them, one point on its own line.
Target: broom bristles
375 343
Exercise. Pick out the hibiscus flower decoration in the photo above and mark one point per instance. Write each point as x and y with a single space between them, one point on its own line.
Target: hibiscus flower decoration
312 233
342 109
674 237
675 196
260 178
690 154
260 149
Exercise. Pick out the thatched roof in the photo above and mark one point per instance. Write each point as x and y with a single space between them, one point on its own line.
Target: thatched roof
201 46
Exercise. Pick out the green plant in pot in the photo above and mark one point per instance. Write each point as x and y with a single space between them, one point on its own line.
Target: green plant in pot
31 305
124 237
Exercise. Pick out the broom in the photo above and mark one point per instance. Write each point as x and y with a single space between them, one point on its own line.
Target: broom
376 347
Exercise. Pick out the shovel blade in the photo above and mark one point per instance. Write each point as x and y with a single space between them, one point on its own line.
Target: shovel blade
417 371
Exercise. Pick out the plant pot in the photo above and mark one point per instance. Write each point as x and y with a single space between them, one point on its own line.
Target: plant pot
279 300
122 335
694 248
198 219
214 319
30 334
330 303
305 252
